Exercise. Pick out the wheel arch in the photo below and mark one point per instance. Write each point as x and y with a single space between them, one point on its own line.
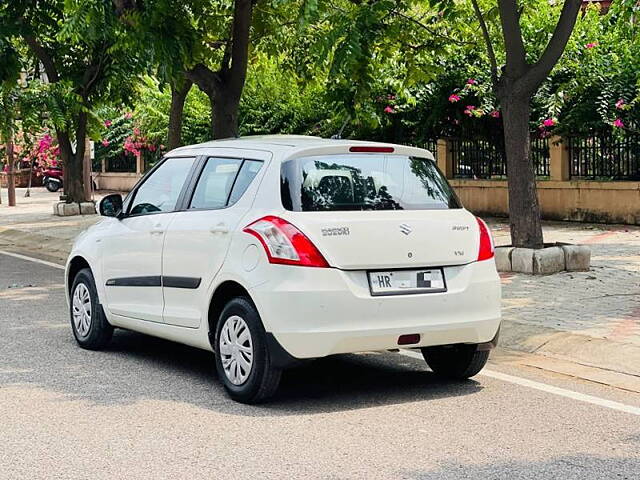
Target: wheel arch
223 293
76 264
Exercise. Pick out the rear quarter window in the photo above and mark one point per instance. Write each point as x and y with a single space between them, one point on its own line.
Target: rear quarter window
364 182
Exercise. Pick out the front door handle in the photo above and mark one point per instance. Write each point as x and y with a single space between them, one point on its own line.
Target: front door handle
219 228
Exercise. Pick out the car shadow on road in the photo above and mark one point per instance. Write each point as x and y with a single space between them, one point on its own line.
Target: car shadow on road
337 383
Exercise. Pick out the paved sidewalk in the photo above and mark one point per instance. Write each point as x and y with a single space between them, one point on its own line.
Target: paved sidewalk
32 228
590 317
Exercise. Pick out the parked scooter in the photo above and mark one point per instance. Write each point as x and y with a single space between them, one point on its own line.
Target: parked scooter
52 178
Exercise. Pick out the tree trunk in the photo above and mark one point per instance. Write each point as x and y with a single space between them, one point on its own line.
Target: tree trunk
72 164
524 209
225 112
178 98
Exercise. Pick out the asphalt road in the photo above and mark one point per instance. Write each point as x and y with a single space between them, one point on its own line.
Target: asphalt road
147 408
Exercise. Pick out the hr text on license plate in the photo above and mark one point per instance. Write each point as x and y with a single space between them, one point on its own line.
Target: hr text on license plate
407 281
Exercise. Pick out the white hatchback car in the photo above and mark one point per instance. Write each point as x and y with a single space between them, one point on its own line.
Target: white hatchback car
271 250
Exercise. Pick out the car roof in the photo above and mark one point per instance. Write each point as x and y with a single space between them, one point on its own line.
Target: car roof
297 144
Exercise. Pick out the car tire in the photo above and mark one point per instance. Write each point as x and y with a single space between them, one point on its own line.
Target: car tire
52 186
88 321
242 357
457 362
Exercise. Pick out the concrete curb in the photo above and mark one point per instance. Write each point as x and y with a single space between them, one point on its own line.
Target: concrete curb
590 351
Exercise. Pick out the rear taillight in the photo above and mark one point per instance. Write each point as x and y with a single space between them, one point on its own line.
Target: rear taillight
486 242
284 243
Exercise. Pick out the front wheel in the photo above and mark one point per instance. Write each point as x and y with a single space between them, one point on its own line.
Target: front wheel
242 357
455 361
88 322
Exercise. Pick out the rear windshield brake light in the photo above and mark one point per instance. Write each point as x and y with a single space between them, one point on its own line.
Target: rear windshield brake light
371 149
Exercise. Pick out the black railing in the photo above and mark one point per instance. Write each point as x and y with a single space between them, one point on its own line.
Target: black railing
121 164
479 158
540 156
432 146
605 156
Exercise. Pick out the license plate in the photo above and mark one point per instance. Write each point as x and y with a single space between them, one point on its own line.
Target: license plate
398 282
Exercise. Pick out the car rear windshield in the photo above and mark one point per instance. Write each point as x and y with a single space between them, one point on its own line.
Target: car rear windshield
364 182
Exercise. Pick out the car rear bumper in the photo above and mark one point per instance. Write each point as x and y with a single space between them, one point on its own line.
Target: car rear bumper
315 312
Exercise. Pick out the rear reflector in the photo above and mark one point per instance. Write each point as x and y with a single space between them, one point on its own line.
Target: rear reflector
284 243
409 339
371 149
487 249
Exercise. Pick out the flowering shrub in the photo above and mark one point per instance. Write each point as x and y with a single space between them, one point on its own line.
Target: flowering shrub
40 150
122 143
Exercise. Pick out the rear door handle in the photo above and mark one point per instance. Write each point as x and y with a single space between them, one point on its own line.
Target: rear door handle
157 230
219 228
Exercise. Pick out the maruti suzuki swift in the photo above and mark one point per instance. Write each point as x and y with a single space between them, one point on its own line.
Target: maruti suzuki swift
272 250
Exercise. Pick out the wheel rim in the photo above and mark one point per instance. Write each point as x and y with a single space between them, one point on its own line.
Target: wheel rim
81 309
236 350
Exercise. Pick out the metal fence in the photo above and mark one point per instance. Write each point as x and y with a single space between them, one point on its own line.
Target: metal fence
479 158
121 163
605 156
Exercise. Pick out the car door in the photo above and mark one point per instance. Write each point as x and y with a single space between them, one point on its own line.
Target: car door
199 236
132 252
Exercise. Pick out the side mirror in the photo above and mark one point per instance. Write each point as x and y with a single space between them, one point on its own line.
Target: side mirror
111 205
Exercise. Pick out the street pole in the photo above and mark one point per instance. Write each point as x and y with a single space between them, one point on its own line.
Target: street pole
11 186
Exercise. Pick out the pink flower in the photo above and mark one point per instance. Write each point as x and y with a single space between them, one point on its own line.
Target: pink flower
128 116
105 143
454 98
591 45
136 131
391 97
618 123
107 123
620 103
389 109
549 122
495 114
469 110
472 81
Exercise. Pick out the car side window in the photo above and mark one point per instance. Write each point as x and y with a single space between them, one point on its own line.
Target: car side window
248 172
223 181
160 192
215 183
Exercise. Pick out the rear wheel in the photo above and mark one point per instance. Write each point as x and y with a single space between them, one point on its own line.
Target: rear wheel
88 322
242 357
455 361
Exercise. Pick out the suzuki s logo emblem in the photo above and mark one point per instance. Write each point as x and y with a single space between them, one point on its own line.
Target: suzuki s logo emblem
405 228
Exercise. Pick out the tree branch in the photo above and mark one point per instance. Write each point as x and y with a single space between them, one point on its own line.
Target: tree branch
206 79
554 49
516 64
487 41
431 30
44 57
